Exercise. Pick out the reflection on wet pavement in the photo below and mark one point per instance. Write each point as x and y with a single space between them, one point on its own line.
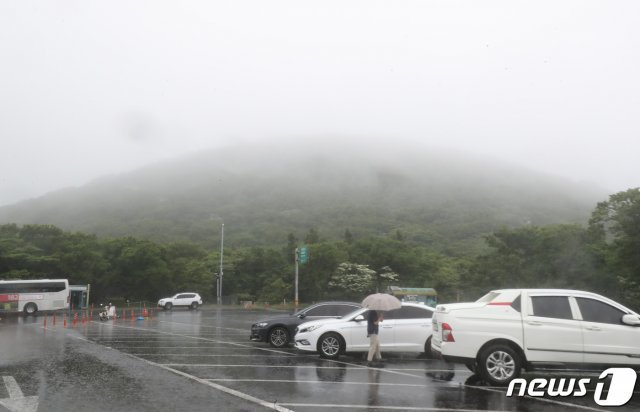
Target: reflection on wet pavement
211 348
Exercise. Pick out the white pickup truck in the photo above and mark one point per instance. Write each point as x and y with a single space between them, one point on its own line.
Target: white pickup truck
509 330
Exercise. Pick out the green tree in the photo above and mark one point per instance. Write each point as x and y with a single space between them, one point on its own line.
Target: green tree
348 236
290 249
555 256
138 270
615 230
385 277
312 237
250 270
188 269
353 280
274 291
315 276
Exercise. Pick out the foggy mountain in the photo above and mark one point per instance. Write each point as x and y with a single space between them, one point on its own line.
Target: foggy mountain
264 192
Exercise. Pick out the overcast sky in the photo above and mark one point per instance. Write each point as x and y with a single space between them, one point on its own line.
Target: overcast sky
93 87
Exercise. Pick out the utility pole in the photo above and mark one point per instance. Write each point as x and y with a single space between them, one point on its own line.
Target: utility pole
295 299
221 264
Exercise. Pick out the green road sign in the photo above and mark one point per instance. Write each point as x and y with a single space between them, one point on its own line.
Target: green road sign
303 255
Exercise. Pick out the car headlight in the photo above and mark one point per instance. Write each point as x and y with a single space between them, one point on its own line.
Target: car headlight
309 328
262 324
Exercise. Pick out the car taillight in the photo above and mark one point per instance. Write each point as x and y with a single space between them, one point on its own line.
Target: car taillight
447 333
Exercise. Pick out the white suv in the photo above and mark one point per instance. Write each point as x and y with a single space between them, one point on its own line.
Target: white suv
509 330
188 299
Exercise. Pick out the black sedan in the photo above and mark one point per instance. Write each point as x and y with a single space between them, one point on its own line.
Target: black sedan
278 331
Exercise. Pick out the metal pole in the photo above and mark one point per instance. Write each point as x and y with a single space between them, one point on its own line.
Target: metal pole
217 288
295 299
221 261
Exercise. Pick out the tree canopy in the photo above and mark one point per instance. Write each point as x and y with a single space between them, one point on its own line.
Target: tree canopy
601 256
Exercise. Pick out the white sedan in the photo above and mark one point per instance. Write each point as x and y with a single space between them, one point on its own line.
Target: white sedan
407 329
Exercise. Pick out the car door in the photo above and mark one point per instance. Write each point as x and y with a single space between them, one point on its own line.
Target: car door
183 299
606 339
355 332
179 300
552 332
386 330
412 327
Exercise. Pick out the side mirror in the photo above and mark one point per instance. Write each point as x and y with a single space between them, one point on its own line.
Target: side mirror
302 315
632 320
359 318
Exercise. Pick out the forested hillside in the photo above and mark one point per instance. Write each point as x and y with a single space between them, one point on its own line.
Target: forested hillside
443 200
400 215
601 256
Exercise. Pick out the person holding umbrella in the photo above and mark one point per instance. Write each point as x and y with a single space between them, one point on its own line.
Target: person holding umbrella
377 303
373 322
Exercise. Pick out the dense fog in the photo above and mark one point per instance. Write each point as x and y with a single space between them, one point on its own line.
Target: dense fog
91 88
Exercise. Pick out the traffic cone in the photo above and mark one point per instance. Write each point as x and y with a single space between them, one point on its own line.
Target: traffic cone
45 321
145 314
133 316
64 321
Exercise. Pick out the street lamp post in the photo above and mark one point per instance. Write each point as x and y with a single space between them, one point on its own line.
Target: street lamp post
221 264
295 298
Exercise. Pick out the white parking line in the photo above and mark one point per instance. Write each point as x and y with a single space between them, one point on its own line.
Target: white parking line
362 368
204 326
179 336
178 347
216 365
210 355
313 382
169 366
566 404
224 389
380 407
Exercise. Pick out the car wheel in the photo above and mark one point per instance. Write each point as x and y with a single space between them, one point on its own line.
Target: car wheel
330 346
194 305
499 364
30 308
168 306
427 348
278 337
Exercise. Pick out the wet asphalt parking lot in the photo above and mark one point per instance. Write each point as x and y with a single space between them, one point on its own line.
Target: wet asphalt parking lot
203 361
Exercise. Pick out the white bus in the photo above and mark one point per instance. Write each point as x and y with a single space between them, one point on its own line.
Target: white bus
30 296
